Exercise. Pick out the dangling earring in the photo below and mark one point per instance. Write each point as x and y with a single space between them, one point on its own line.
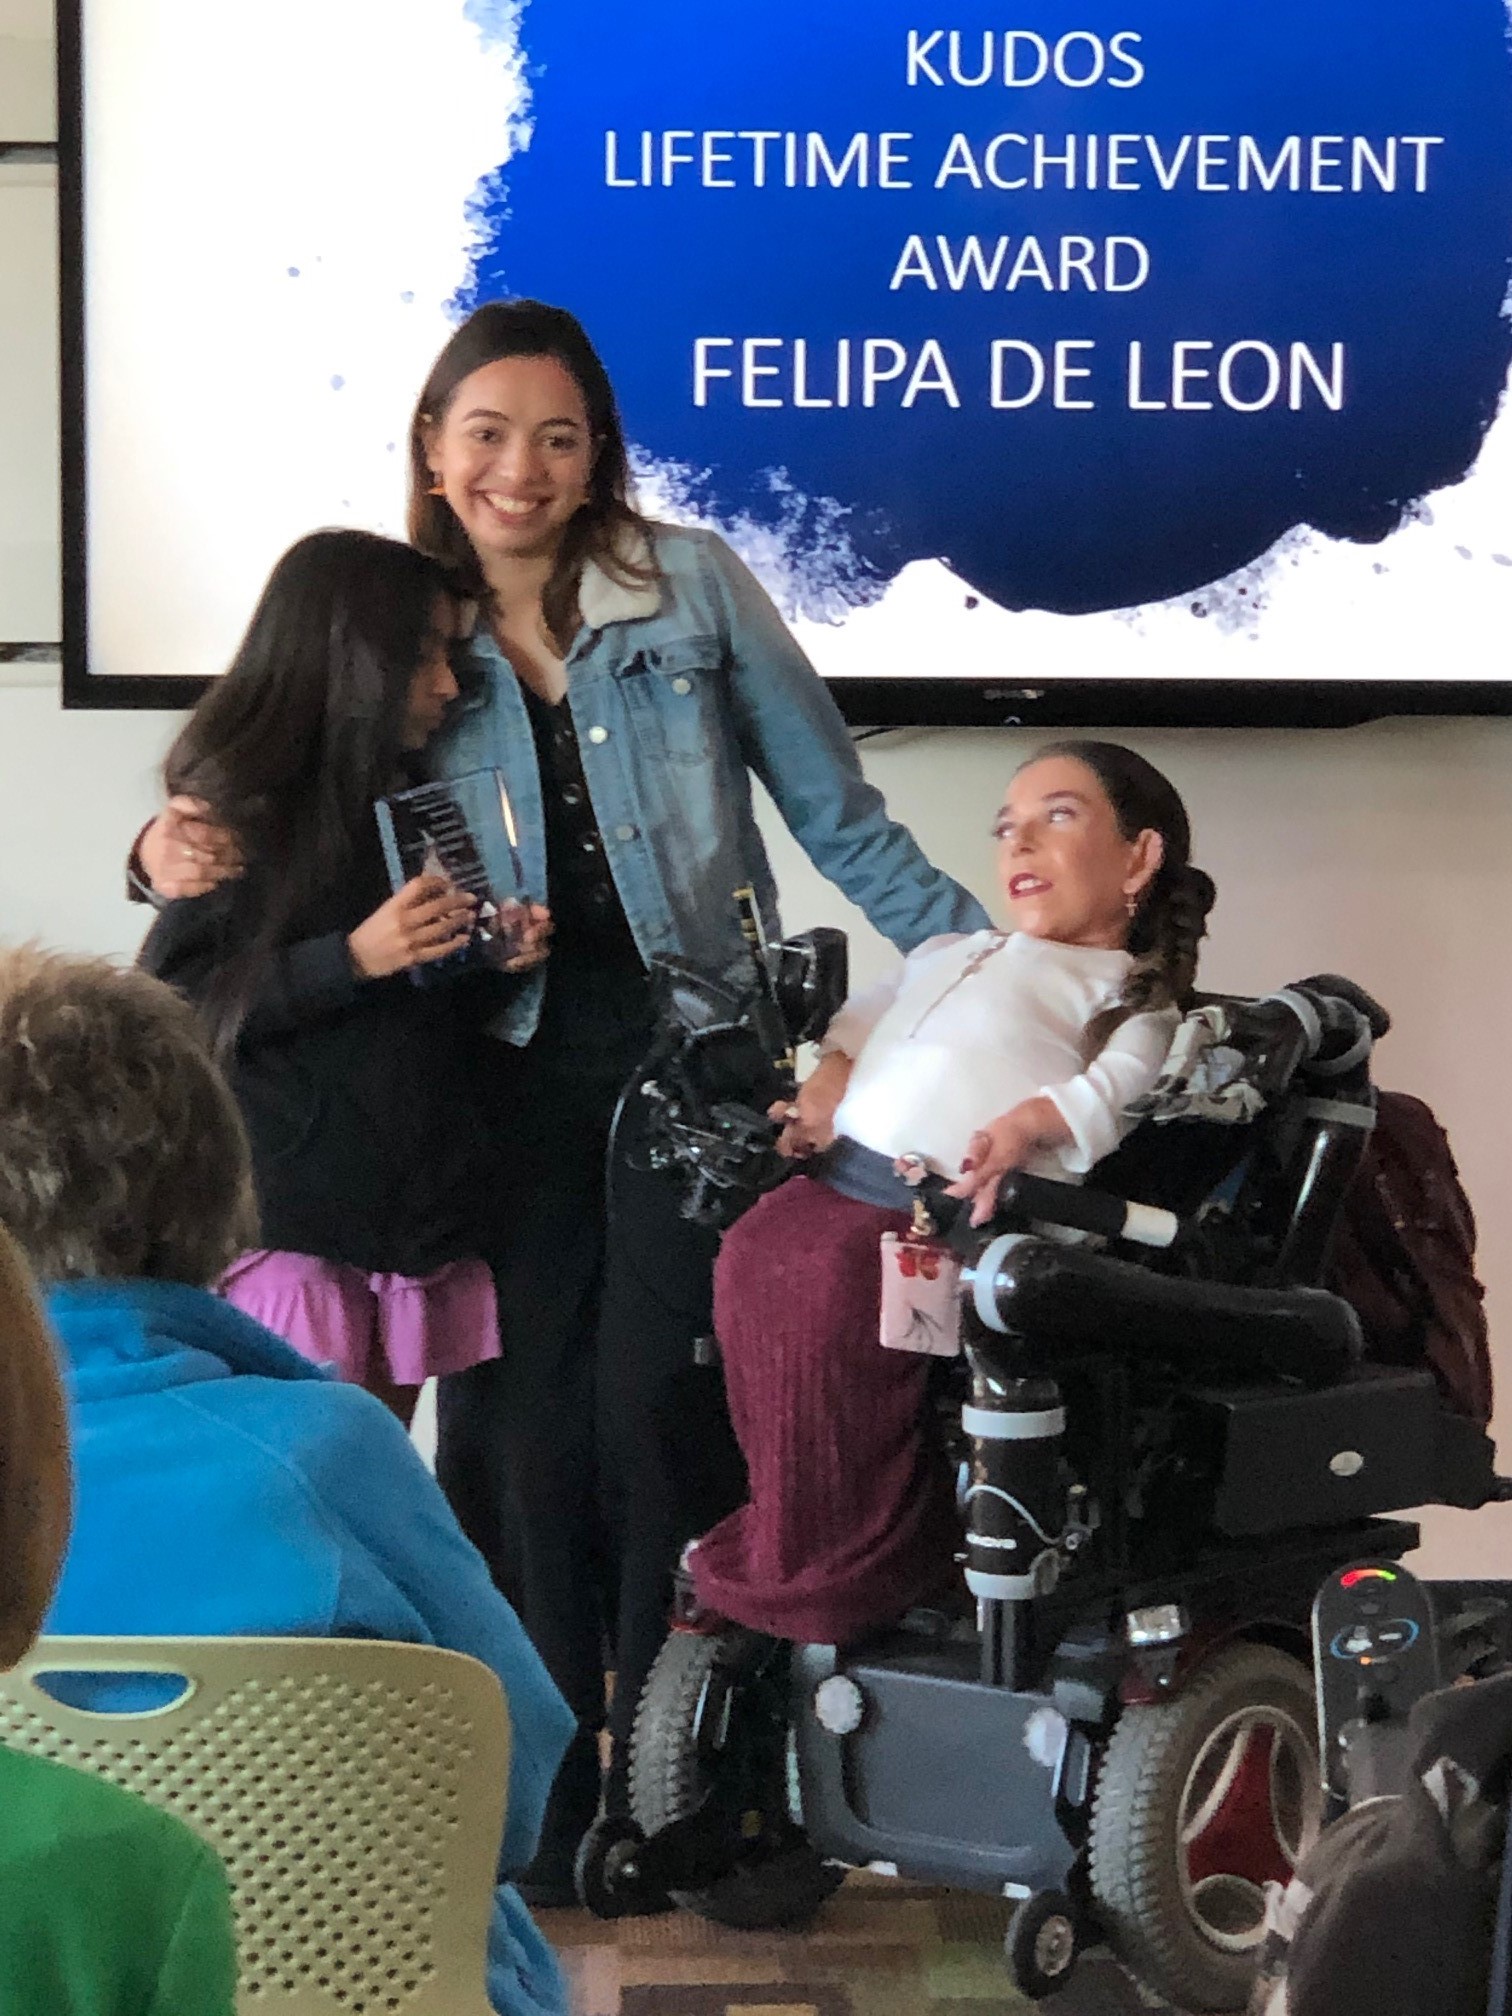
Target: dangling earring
1131 903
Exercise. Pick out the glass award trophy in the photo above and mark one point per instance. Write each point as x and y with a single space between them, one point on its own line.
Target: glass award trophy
456 827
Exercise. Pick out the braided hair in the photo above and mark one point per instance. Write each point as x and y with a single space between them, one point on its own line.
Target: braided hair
1170 918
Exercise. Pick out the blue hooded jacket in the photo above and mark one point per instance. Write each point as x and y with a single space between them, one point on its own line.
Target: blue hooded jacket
225 1486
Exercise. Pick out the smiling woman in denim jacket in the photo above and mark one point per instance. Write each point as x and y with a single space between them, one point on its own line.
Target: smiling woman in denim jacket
628 679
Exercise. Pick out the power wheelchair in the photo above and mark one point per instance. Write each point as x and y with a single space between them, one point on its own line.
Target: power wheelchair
1166 1437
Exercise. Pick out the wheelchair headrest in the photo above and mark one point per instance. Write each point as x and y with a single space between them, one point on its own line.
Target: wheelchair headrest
1340 989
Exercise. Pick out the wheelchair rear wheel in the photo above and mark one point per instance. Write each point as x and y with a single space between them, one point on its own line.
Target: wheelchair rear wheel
715 1709
1200 1801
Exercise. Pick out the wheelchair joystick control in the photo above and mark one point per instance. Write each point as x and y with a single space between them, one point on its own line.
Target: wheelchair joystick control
1376 1655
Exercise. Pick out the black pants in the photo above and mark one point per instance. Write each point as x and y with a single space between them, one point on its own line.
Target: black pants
582 1460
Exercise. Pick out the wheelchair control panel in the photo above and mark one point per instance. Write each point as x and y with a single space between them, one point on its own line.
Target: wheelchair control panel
1376 1654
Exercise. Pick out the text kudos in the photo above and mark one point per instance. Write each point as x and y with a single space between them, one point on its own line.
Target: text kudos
1018 58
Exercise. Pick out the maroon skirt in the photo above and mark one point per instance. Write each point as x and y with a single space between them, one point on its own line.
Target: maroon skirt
849 1520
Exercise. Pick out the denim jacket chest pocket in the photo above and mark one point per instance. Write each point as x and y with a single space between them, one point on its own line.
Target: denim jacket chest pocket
673 694
469 738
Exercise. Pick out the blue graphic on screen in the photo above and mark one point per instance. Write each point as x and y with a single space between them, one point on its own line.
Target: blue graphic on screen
1093 303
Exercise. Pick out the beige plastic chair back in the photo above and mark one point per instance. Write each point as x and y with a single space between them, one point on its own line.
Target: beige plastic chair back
354 1790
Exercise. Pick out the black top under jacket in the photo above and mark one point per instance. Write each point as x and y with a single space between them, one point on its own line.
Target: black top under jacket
596 1015
360 1096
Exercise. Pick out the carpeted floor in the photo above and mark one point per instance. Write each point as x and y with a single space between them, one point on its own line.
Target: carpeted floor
878 1948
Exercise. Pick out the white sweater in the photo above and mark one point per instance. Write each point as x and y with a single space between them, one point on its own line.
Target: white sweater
967 1028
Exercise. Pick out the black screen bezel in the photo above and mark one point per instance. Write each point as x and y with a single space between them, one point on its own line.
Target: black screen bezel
865 703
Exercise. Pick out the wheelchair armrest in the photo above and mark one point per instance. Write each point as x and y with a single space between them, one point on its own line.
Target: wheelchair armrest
1039 1200
1021 1286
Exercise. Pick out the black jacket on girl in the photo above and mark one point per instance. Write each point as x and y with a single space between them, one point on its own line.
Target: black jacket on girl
359 1095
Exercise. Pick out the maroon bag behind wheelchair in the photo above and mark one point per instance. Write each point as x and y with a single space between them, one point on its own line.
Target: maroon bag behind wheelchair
1404 1256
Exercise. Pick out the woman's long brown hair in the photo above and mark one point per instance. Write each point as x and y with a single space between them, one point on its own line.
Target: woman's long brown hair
608 523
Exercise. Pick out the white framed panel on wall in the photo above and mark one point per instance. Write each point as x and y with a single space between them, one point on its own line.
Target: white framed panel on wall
1163 350
29 505
28 104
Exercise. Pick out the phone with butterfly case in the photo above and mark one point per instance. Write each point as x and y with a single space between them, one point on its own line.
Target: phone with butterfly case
921 1296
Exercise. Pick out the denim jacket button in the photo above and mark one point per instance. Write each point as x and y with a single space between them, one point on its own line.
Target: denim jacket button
598 733
682 685
625 832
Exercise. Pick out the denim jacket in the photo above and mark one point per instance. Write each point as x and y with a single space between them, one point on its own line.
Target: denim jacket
679 690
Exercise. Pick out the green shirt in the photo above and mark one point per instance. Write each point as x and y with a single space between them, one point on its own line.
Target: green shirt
108 1907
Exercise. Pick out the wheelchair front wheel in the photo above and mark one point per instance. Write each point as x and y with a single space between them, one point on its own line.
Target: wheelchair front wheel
1041 1944
715 1707
606 1875
1201 1801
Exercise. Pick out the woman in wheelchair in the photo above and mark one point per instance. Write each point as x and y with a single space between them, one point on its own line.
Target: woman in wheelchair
1053 1025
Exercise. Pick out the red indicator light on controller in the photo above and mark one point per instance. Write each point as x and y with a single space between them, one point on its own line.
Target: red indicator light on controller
1365 1575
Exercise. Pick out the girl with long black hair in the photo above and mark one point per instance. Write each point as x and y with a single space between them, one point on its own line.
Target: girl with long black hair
356 1085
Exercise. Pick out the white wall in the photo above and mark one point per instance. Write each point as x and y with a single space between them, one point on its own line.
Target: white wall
74 788
70 785
1383 852
28 331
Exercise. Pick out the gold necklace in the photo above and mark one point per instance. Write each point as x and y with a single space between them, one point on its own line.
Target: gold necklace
973 965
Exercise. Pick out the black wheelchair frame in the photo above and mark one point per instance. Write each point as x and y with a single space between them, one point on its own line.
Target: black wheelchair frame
1161 1456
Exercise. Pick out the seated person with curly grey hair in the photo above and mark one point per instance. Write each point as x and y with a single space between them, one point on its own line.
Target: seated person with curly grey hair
224 1484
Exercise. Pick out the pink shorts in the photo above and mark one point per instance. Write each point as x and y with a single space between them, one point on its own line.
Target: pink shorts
339 1316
